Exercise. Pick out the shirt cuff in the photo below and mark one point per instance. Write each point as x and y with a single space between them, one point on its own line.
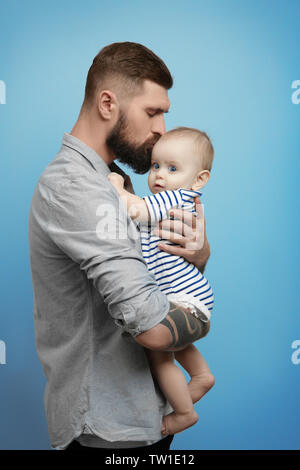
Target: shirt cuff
135 318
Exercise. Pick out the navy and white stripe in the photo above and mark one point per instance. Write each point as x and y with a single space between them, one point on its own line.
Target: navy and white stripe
160 203
173 273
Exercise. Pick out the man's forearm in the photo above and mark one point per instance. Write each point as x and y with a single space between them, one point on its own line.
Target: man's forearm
183 326
178 329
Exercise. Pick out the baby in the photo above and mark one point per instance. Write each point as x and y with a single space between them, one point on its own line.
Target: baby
180 167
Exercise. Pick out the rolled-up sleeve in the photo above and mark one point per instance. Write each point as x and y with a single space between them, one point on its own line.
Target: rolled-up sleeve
89 223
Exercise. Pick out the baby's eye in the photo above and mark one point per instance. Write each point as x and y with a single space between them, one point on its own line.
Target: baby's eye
155 166
172 168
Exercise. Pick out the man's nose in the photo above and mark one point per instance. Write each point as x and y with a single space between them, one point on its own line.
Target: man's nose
159 126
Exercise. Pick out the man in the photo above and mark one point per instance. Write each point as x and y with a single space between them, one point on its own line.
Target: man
95 303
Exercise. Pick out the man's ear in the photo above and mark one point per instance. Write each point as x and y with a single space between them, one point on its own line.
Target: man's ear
201 179
107 104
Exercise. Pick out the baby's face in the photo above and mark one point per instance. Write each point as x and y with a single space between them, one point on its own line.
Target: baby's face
174 165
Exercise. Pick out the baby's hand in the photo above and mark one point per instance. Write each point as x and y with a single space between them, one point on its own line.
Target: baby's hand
136 206
117 180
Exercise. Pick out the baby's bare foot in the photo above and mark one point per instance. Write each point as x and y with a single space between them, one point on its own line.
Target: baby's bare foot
199 385
174 422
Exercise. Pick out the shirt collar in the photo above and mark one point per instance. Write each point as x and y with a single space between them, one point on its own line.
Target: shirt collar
87 152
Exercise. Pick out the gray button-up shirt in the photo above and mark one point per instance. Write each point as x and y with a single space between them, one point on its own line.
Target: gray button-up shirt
92 294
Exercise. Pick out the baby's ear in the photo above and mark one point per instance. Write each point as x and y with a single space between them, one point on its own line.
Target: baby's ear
201 179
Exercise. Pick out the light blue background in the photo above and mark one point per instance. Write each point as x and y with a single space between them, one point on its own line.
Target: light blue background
233 64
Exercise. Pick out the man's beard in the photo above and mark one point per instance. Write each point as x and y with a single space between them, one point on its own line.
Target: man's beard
138 157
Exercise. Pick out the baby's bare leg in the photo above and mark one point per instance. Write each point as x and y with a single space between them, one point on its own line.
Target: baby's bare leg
193 362
174 386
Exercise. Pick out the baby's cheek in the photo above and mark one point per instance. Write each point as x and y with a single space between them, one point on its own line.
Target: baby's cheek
150 177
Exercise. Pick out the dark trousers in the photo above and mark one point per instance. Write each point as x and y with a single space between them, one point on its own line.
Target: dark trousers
161 446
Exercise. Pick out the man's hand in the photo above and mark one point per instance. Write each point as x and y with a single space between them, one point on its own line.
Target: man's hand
189 232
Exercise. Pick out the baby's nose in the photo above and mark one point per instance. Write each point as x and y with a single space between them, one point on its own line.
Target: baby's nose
160 172
159 175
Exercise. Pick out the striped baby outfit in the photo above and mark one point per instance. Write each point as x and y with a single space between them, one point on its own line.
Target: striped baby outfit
174 275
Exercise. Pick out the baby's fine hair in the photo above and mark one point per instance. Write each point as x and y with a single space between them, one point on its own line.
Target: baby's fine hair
203 145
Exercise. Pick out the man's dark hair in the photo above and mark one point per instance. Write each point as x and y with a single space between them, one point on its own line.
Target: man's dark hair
125 65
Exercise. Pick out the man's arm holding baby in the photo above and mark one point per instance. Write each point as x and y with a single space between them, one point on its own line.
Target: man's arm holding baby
179 328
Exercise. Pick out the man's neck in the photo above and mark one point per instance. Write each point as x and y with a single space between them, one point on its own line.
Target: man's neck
86 131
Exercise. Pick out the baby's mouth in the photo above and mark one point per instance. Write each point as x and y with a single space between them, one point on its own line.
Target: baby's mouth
158 187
